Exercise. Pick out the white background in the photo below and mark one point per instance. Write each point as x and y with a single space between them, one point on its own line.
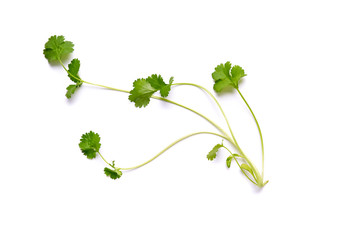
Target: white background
302 63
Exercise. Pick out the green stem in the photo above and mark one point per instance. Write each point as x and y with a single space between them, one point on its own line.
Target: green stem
217 103
201 115
172 144
258 127
104 159
229 151
248 176
236 145
232 155
242 170
103 86
239 165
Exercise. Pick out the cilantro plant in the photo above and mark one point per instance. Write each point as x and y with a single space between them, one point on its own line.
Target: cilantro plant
225 76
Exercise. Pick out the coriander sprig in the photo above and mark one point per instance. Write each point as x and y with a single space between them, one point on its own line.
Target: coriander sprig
90 147
57 49
227 76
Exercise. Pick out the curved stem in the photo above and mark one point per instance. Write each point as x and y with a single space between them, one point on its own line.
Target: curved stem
217 103
239 165
104 159
103 86
258 127
247 176
242 170
172 144
233 156
236 145
230 152
201 115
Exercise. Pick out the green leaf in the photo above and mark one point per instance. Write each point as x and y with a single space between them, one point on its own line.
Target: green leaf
145 88
156 81
237 73
113 174
230 158
228 161
74 67
56 48
225 76
90 144
212 154
221 84
141 92
244 167
73 74
164 90
71 89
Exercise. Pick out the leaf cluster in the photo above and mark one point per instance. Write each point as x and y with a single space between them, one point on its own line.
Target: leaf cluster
227 76
90 144
73 74
56 48
212 154
113 174
143 89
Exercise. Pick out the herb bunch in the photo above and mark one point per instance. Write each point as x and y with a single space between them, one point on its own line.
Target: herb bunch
225 76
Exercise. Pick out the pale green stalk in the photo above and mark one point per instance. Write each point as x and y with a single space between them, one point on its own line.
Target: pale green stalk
172 144
104 159
236 145
240 166
217 103
169 146
258 127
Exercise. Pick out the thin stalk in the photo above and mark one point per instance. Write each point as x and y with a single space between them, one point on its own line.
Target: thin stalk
94 84
239 165
104 159
172 144
201 115
247 176
236 145
245 173
258 127
229 151
103 86
217 103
